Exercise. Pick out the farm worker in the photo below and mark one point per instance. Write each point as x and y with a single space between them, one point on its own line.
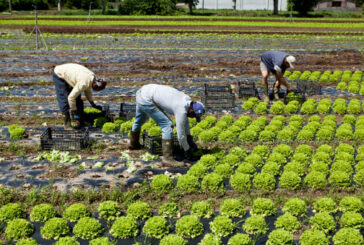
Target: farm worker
70 81
157 101
275 62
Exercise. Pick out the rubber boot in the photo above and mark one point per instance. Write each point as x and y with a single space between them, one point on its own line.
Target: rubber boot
134 141
266 95
167 158
66 120
276 90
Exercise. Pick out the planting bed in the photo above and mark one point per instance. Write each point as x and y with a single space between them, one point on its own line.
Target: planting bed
268 173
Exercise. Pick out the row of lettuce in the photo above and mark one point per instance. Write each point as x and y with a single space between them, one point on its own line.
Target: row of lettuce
233 220
325 77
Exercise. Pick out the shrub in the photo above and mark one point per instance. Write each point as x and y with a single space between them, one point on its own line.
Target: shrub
232 208
17 229
75 212
88 228
240 182
264 182
198 170
231 160
124 227
255 159
316 180
26 241
271 168
55 228
263 206
101 241
173 240
161 184
139 210
352 219
188 183
288 222
210 239
295 207
109 210
202 210
348 236
354 204
208 160
42 213
156 227
255 225
280 236
222 226
189 226
109 127
68 241
169 210
290 180
314 237
11 211
240 239
339 179
323 221
246 168
213 183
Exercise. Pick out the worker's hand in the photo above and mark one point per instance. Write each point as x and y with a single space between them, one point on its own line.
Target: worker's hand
99 107
191 143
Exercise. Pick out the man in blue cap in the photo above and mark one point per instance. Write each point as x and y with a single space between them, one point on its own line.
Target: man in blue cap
157 101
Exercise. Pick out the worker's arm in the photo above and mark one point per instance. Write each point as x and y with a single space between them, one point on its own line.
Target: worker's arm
76 91
280 78
182 124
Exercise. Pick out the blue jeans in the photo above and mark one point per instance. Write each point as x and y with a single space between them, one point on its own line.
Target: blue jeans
63 89
144 110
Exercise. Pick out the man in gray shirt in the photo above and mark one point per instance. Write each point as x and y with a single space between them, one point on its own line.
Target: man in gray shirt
156 101
275 62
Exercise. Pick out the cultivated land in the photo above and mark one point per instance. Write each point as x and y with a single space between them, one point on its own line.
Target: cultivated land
250 151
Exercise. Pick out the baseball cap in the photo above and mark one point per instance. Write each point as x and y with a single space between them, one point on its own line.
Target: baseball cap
291 61
198 109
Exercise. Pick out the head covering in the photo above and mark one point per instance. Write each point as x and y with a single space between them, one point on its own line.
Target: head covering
100 82
198 109
291 61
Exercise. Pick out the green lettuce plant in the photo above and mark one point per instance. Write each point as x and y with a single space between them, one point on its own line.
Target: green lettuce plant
17 229
314 237
231 160
210 239
208 160
161 184
255 225
352 219
42 213
88 228
240 239
101 241
109 127
124 227
339 179
75 212
189 226
169 210
295 207
26 241
323 221
290 180
263 206
156 227
222 226
188 183
240 182
67 240
288 222
224 170
198 170
55 228
11 211
255 159
202 209
280 236
212 183
109 210
316 180
173 239
232 208
264 182
246 168
348 236
139 210
351 204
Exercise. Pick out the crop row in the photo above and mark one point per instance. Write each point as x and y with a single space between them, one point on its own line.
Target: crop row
233 218
326 76
311 106
332 26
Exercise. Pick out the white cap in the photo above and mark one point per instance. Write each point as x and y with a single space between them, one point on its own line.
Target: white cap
291 61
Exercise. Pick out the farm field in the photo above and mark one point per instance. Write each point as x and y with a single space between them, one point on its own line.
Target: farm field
267 173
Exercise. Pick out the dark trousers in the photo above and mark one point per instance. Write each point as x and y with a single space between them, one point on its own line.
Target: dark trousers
63 89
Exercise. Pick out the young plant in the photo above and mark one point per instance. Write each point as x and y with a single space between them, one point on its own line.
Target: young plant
224 170
55 228
67 240
198 170
339 179
210 239
232 208
222 226
348 236
264 182
156 227
17 229
212 183
280 236
88 228
240 239
255 225
101 241
189 226
173 239
109 210
161 184
264 207
316 180
295 207
26 241
109 127
290 180
288 222
202 209
75 212
208 161
350 203
352 219
42 213
314 237
169 210
139 210
188 183
323 221
240 182
11 211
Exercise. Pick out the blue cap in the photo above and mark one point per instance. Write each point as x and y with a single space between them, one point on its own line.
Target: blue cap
198 109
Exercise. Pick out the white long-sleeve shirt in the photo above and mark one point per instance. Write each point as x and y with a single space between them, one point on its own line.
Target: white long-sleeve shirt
79 78
173 102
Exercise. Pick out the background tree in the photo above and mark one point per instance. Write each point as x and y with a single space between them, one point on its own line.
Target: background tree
191 4
275 7
303 6
147 7
10 5
234 5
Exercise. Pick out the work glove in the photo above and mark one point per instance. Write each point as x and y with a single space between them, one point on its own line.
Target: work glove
191 143
99 107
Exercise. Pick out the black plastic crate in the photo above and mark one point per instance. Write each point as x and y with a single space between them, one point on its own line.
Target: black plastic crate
153 144
218 97
64 140
104 113
309 87
247 89
298 96
127 110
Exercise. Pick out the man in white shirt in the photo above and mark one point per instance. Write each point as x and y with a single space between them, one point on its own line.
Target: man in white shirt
275 62
156 101
70 81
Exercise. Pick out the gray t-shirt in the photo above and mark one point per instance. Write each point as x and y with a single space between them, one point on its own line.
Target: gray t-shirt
274 61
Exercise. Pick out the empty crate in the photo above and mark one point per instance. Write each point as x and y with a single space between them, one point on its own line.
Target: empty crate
64 140
247 89
218 97
127 110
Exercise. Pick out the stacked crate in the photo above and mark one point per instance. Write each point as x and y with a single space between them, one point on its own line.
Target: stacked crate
218 97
